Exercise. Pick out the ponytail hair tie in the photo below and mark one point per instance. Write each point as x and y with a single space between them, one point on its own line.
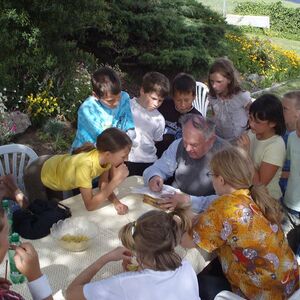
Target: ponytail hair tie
250 187
133 225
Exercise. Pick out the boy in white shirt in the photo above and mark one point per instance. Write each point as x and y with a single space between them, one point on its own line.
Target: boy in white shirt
149 122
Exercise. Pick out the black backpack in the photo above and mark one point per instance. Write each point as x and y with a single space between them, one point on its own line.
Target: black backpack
35 221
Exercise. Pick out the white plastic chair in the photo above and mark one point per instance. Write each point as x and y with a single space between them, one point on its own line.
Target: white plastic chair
201 102
13 160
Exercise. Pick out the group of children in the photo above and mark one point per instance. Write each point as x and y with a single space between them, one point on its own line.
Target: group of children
118 136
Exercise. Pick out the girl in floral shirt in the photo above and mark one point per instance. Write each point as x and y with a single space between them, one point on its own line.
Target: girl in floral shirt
242 226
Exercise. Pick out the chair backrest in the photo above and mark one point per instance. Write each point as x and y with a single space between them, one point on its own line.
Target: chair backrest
13 160
201 102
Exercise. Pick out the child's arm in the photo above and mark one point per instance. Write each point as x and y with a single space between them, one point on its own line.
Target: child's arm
265 173
93 202
103 182
75 289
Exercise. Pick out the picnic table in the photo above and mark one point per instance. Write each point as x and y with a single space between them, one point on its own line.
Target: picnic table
62 266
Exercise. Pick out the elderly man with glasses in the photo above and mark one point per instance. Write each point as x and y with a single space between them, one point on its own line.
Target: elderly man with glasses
187 159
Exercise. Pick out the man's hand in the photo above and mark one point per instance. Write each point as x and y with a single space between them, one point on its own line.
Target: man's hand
156 184
172 200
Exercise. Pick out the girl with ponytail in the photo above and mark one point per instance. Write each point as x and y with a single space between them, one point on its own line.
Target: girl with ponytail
50 175
243 226
161 274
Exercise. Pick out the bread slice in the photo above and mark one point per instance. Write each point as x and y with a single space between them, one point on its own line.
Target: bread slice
152 201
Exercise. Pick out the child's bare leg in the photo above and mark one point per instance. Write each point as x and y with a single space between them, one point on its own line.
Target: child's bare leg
14 192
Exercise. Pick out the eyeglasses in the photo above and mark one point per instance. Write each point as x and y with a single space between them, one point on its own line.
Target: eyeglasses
210 174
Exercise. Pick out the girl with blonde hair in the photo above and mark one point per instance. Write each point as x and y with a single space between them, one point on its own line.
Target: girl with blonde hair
161 274
243 226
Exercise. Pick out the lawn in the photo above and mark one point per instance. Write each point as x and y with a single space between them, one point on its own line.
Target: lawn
231 4
283 43
217 5
282 88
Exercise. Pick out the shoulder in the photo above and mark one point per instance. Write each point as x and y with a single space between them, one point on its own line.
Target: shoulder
89 101
292 135
243 97
212 100
167 105
278 141
229 202
220 144
124 96
195 111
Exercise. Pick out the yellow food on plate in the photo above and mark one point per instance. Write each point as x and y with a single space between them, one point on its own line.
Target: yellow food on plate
74 238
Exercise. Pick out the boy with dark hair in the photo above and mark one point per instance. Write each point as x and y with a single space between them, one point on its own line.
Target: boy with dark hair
149 123
108 106
183 95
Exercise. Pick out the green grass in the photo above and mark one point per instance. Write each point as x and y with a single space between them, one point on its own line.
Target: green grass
217 5
281 89
283 43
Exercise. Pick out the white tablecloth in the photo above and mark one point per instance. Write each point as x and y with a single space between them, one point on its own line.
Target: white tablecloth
62 266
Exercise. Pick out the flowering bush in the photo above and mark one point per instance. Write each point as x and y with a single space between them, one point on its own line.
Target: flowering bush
74 91
7 128
42 106
252 55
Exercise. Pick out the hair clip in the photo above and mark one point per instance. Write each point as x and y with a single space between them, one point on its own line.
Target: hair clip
133 225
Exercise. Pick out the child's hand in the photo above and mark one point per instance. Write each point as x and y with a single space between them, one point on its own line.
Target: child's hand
4 284
127 261
27 261
244 142
121 208
120 173
119 253
156 184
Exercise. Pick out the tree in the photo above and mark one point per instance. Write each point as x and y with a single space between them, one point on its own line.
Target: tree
39 40
168 36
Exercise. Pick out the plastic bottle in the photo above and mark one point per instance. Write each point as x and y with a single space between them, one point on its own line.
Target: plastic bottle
15 275
6 208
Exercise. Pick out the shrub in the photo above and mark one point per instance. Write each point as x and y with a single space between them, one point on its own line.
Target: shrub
285 22
6 128
39 42
252 55
58 133
42 106
167 36
74 91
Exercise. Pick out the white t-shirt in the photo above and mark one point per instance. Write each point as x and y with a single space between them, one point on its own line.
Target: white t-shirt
272 151
180 284
292 194
149 128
